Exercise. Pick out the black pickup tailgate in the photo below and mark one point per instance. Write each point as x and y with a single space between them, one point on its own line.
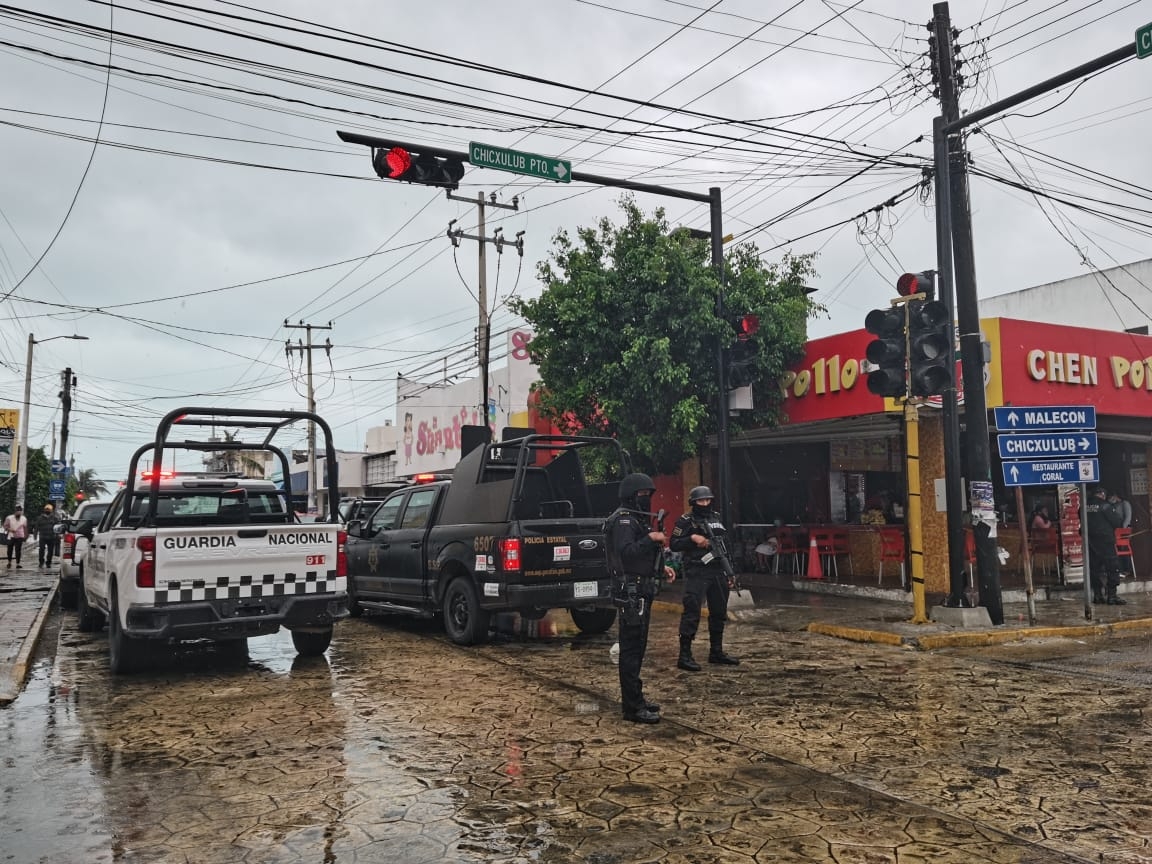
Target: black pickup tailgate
563 550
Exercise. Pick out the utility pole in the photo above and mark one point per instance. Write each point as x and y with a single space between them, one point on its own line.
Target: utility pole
306 349
455 235
978 456
67 381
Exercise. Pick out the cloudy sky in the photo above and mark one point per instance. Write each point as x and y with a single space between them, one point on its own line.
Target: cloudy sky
219 200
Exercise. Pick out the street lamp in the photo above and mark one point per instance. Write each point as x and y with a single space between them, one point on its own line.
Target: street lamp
22 468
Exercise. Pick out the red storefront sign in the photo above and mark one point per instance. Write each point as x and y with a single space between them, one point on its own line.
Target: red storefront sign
828 382
1050 364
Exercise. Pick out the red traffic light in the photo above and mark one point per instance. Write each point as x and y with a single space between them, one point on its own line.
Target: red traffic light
399 161
79 496
747 326
914 283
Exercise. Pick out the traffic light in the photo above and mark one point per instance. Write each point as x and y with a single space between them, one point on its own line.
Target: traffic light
742 355
917 283
400 164
929 347
888 352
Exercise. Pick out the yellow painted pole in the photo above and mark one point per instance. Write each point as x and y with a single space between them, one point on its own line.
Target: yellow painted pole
913 512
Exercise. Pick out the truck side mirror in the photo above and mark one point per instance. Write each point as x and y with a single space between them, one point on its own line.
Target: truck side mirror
355 527
84 527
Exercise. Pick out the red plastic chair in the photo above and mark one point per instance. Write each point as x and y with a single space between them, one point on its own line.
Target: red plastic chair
788 544
1124 547
840 548
892 550
1046 542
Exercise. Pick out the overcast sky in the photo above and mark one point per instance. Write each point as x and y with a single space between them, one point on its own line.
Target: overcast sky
174 215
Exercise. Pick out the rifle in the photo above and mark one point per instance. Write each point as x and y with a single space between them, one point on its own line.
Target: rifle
719 549
658 562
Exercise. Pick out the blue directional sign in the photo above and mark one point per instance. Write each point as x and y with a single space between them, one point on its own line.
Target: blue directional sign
59 466
1045 418
1047 445
1049 473
56 490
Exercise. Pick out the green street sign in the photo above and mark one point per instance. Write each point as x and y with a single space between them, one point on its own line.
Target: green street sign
1144 41
544 167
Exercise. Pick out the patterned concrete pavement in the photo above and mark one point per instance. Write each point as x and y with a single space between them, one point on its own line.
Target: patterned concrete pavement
402 747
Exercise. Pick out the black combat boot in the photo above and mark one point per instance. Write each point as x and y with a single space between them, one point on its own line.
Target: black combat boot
642 716
717 655
1097 595
685 661
1115 599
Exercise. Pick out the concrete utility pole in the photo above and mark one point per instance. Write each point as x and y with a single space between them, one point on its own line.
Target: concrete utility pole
979 459
483 331
306 349
68 381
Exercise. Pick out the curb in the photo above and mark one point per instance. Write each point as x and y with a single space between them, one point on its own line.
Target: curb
11 689
978 638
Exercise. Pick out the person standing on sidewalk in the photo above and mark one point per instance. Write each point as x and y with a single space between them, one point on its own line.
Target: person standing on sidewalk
635 559
46 535
704 579
1103 520
16 530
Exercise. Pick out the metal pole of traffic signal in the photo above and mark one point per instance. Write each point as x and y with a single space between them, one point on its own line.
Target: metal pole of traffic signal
953 496
723 453
913 512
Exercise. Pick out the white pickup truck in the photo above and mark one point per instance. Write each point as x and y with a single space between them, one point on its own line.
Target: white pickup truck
195 556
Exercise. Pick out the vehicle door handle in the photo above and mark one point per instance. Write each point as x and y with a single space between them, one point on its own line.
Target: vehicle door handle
415 545
252 532
385 545
101 547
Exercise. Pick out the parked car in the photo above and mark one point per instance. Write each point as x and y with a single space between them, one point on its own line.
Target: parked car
71 570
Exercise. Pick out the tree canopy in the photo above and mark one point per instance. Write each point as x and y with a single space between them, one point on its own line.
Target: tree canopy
626 333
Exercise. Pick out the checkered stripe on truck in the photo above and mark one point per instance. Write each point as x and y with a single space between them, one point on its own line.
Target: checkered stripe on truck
268 585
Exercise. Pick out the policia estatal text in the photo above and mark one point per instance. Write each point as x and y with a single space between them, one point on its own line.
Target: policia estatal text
704 578
636 561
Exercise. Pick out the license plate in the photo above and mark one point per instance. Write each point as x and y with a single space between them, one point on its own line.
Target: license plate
314 560
585 589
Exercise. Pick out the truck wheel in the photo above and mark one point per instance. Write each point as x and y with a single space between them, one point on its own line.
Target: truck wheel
89 620
67 595
464 621
124 652
311 644
355 610
593 621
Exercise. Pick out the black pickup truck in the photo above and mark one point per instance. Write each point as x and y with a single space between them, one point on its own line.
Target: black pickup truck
519 527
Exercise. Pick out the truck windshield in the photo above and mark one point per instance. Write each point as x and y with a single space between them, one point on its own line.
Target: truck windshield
213 507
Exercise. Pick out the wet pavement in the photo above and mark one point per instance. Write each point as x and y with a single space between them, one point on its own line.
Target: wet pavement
402 747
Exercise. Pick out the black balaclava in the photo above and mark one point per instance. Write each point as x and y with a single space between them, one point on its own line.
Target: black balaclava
644 501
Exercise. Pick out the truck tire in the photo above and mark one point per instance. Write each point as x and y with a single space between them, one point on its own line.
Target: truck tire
310 643
593 621
89 620
464 621
67 595
355 610
124 653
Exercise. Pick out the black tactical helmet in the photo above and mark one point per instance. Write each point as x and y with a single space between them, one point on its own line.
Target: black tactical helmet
633 484
699 493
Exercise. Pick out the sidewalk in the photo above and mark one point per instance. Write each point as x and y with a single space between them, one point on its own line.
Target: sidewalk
884 615
26 598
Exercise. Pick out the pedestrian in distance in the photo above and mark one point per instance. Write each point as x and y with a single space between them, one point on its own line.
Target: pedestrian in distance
699 535
45 529
16 530
1103 520
635 560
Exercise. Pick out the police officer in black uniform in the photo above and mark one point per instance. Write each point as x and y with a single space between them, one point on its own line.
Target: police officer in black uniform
636 560
1104 518
703 579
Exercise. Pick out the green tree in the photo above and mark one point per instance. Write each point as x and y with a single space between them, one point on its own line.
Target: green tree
88 484
626 333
